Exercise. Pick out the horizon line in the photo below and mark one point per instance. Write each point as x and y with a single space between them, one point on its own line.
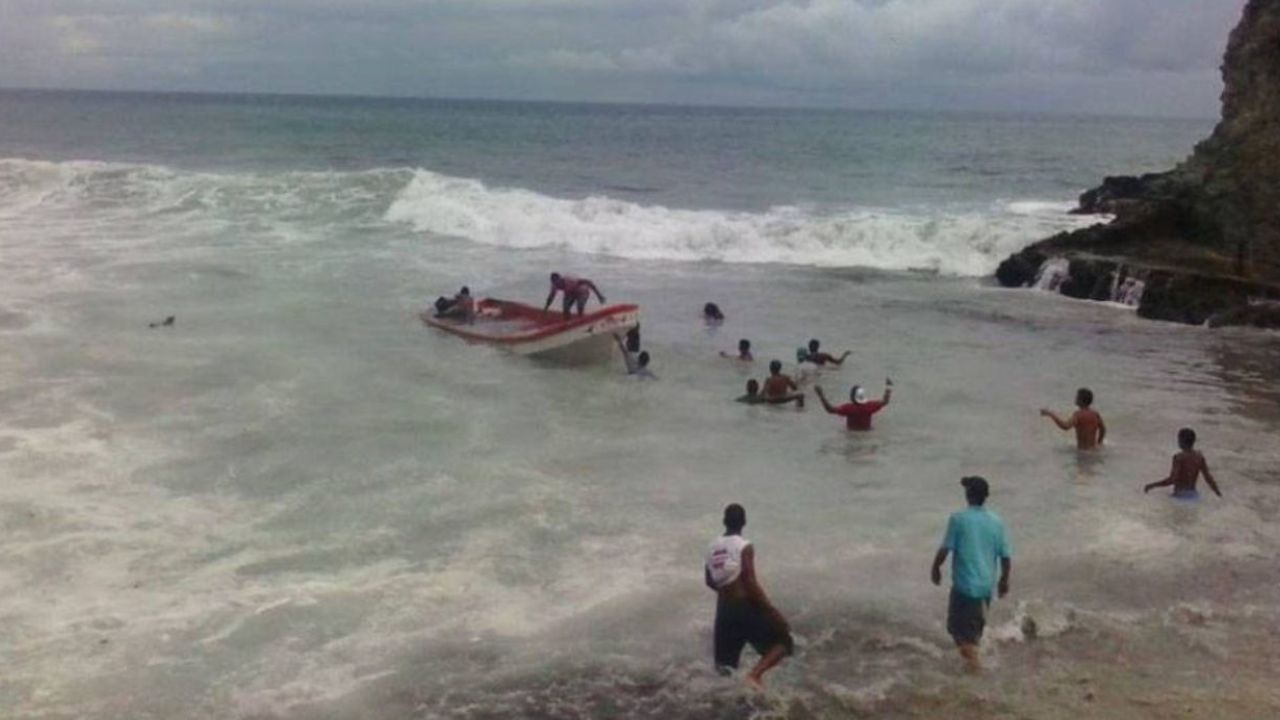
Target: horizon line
601 103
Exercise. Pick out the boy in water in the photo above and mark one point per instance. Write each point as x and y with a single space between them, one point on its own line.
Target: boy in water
753 397
637 363
743 612
1188 466
1090 430
780 388
976 540
744 352
819 358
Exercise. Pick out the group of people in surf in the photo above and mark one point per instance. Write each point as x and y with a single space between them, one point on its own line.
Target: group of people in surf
974 539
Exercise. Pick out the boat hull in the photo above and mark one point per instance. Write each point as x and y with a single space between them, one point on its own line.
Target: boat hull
529 331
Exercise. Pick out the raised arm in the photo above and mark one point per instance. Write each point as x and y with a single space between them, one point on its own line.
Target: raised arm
1064 424
888 391
1208 477
631 363
822 398
840 360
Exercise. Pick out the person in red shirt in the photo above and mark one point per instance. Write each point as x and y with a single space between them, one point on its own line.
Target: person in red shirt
858 411
577 291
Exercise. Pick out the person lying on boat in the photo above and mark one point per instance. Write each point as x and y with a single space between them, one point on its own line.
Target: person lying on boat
753 397
819 358
577 291
780 388
637 363
461 306
744 352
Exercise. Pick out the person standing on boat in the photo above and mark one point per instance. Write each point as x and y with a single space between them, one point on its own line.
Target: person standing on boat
743 612
577 291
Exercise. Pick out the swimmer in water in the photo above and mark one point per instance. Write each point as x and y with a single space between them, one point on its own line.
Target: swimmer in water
858 411
637 363
744 352
1188 466
577 291
743 612
780 388
753 397
711 314
1090 430
819 358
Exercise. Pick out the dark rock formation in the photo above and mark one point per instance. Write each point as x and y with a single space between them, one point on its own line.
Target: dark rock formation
1205 236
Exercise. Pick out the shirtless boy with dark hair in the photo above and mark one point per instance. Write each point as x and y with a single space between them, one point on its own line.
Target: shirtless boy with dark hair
1090 430
1188 466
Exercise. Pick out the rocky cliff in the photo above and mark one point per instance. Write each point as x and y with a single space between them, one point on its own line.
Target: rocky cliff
1202 241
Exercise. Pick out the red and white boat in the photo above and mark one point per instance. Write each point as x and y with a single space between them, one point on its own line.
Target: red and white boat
528 330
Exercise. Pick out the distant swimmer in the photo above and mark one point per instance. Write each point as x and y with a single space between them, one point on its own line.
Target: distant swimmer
1090 430
577 291
167 322
858 411
743 612
461 306
744 352
818 357
1188 466
711 314
779 388
637 363
754 397
976 539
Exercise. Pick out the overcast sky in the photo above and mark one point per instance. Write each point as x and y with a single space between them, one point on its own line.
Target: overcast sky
1143 57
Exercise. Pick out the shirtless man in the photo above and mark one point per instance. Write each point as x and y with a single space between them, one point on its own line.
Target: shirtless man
819 358
1090 430
743 612
1188 465
780 388
576 292
744 352
753 397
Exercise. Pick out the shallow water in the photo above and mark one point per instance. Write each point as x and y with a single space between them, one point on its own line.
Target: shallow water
298 502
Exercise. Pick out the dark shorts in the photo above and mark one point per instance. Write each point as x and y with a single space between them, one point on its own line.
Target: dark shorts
966 618
739 623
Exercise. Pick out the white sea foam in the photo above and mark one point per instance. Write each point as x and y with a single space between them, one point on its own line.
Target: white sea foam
954 243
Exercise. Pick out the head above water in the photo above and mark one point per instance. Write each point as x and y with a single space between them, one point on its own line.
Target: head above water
753 387
813 346
744 345
1084 397
857 395
1186 438
712 311
643 358
975 489
735 518
775 367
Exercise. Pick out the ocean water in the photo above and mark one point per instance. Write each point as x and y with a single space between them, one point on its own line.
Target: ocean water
298 502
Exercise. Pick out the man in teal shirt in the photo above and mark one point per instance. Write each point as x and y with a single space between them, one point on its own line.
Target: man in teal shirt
975 537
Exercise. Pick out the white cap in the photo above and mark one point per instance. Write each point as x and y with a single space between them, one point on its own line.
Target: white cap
859 395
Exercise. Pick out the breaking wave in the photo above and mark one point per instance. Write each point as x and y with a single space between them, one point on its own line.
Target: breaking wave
964 242
968 242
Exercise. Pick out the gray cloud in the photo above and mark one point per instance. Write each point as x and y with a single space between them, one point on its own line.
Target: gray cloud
1132 56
